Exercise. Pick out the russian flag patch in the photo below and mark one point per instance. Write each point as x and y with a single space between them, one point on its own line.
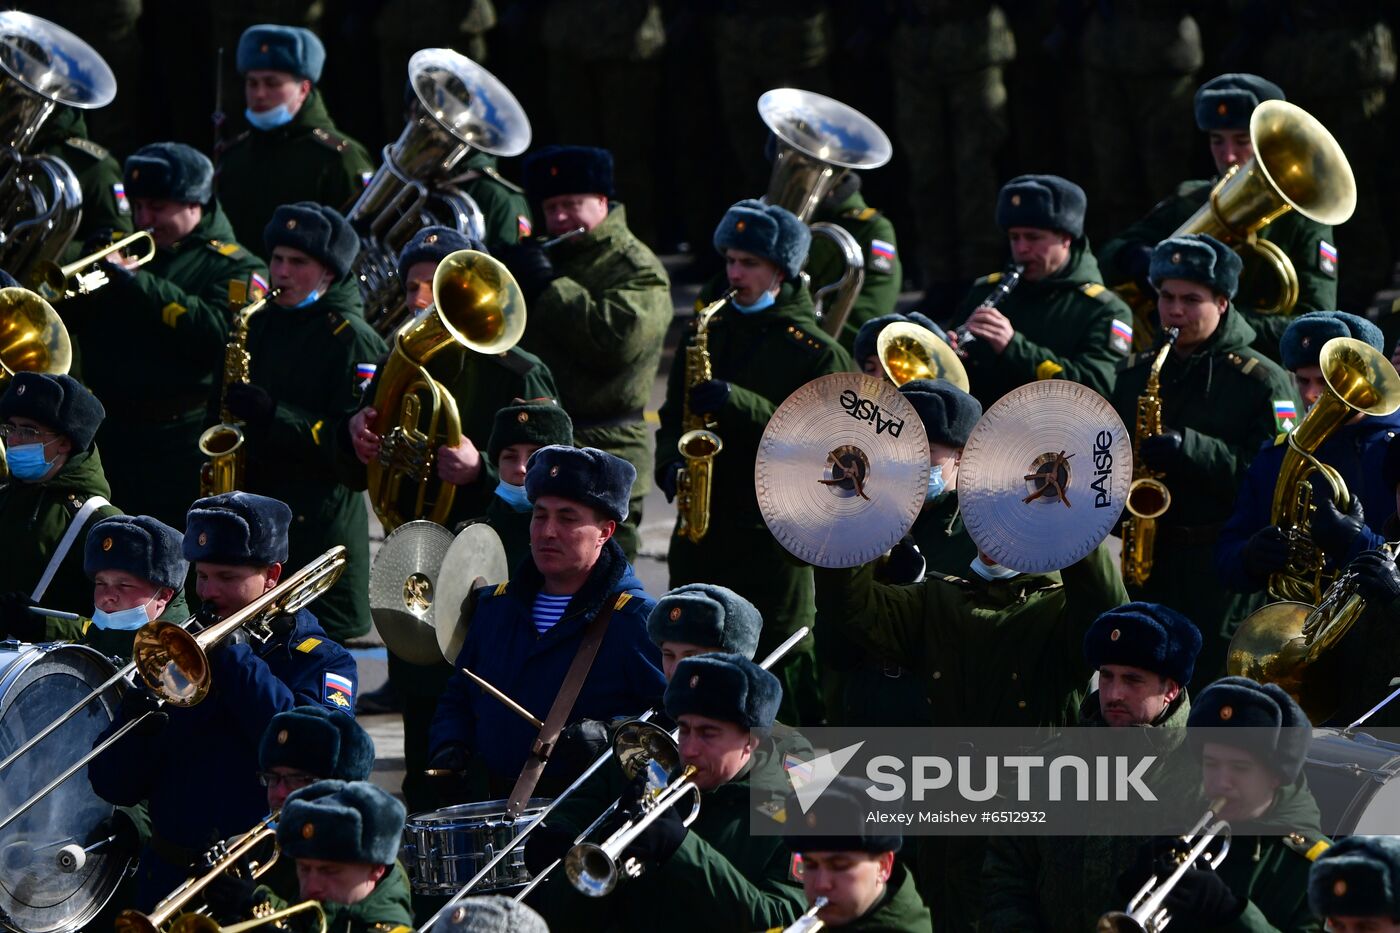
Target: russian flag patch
1120 336
339 691
1327 257
119 192
522 225
257 285
1285 414
882 255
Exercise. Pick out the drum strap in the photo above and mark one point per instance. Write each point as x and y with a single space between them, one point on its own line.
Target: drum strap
75 527
563 704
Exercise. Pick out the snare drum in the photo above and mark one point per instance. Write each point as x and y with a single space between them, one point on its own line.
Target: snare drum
444 849
1352 778
57 869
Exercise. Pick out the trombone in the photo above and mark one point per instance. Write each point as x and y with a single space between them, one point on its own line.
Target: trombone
1146 913
133 921
174 662
84 276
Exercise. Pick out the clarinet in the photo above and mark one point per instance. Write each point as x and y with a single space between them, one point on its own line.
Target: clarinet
1005 286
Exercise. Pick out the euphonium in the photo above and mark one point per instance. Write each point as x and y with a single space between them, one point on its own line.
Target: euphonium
224 443
477 305
698 445
1148 496
1360 380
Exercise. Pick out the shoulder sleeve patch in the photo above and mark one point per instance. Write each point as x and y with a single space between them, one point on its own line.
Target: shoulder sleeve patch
1285 415
332 141
1327 259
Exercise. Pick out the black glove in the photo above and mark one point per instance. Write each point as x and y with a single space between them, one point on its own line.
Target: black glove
1333 530
1377 577
1162 452
546 845
659 841
709 396
126 837
447 770
530 265
16 621
251 403
118 275
667 477
230 896
579 745
1201 900
1265 553
1151 858
906 563
138 702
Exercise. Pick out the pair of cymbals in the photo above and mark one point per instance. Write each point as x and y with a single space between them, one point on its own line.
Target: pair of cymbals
421 578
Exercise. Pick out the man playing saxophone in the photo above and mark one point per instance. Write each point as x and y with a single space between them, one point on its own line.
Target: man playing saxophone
152 339
763 344
1219 401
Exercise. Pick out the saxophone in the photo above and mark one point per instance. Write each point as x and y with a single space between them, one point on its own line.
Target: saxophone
223 443
1148 496
698 445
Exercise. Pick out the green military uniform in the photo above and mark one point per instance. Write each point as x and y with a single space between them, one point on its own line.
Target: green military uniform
900 910
306 160
105 206
1305 241
1222 399
765 357
599 327
387 909
951 121
723 876
1065 329
174 311
1054 883
884 271
504 208
305 358
34 518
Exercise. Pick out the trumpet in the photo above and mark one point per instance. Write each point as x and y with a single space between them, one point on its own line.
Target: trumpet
808 922
84 276
1146 913
223 858
594 869
198 923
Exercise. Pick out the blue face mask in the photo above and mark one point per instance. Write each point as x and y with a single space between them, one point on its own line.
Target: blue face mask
991 572
513 496
766 300
125 620
269 119
936 483
311 298
27 462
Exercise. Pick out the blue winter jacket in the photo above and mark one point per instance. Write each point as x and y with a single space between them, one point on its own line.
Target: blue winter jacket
503 648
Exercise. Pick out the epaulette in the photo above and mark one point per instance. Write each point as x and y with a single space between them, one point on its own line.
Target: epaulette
515 362
1101 292
1309 845
491 172
803 339
340 325
88 146
330 140
74 503
990 279
947 578
1133 359
308 645
390 928
232 250
1248 366
860 213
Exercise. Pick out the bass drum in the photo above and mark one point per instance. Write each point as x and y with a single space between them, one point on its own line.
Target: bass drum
1352 776
57 867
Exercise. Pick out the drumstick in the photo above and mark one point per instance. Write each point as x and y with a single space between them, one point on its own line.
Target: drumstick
55 613
510 704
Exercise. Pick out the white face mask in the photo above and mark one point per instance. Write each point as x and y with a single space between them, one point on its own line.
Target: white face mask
269 119
991 572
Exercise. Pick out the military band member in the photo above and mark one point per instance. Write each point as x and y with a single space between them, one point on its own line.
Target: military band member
852 865
56 486
1220 401
1354 887
764 344
494 913
524 635
1060 322
600 303
238 544
344 837
138 570
293 151
863 348
504 208
106 207
305 351
1223 107
716 874
482 384
1145 655
1251 546
173 310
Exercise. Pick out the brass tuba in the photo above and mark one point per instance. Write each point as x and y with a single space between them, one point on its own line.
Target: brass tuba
32 339
42 65
476 305
698 445
1297 166
223 443
1148 497
818 139
458 106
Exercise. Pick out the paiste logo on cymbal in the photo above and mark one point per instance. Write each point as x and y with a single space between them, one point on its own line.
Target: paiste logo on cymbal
1103 470
862 409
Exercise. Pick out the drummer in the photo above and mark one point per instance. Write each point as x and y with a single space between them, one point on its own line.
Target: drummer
138 571
1354 887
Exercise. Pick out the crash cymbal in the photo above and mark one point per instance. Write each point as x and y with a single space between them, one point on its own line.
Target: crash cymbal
842 470
1044 475
403 585
476 558
907 352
